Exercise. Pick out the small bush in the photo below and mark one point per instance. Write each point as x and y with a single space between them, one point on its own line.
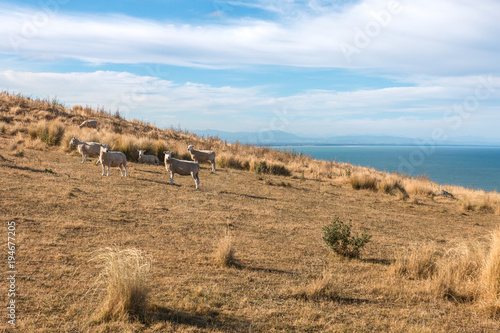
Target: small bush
338 237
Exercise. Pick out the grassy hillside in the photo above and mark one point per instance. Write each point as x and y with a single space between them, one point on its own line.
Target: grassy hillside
432 264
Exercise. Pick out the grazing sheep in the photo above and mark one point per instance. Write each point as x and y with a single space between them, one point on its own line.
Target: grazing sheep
86 148
148 159
202 155
112 159
89 124
184 168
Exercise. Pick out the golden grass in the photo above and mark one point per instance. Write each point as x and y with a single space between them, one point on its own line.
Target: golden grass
363 180
418 262
279 228
127 277
225 253
325 287
457 273
490 278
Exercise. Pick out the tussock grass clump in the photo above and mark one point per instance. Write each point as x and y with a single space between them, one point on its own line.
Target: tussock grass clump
225 254
49 132
363 180
233 162
264 167
490 278
465 205
126 274
324 287
337 236
457 273
416 264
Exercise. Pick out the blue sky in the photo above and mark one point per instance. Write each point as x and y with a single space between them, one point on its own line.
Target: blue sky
316 68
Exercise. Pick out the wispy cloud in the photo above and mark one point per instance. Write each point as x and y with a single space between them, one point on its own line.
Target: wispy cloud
420 37
405 111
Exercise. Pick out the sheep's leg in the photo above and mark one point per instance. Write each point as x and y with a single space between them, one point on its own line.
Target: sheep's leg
196 180
108 170
125 167
171 178
121 170
213 165
102 169
83 158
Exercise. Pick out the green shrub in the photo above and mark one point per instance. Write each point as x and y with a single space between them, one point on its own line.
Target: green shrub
338 237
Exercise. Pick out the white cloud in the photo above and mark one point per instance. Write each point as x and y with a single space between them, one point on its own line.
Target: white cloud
419 37
467 104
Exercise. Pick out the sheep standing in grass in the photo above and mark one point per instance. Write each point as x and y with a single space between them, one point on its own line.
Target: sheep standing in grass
86 148
112 159
202 155
148 159
184 168
89 124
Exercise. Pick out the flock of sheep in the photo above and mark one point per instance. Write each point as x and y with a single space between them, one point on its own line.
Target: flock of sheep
118 159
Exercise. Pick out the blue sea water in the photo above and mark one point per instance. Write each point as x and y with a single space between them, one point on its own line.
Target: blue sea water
473 167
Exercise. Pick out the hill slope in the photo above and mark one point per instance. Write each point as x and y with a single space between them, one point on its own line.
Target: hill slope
66 211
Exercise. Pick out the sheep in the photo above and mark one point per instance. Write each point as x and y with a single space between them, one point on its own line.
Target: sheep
202 155
112 159
184 168
89 124
149 159
86 148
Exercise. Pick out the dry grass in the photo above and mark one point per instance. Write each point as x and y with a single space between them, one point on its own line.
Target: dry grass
127 277
225 253
363 180
418 262
325 287
490 278
457 273
278 228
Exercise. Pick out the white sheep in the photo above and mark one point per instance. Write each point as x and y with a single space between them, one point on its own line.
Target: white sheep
202 155
112 159
148 159
86 148
184 168
89 124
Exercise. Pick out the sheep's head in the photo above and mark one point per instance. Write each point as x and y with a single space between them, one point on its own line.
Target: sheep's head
141 152
73 141
104 148
168 155
190 147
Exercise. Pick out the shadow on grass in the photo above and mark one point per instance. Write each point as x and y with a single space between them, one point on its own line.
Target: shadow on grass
247 195
385 262
158 182
212 319
261 269
28 169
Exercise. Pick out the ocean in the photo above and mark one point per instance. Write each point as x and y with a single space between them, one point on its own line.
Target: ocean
472 167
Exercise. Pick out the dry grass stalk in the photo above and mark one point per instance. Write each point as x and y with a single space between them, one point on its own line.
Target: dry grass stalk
417 264
324 287
490 278
225 255
126 274
457 273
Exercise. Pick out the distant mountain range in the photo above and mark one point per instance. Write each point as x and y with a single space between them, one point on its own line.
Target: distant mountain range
276 138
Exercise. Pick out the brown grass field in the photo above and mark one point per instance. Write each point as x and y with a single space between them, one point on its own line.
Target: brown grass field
242 254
